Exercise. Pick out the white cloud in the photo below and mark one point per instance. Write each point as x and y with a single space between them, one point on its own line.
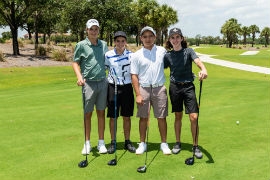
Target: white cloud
206 17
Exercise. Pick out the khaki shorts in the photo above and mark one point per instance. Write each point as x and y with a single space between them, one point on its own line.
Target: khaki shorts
95 93
158 99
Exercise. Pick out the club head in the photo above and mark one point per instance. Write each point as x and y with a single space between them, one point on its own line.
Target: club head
142 169
83 164
112 162
189 161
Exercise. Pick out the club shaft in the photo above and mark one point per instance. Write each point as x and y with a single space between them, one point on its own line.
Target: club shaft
115 114
197 123
83 101
147 134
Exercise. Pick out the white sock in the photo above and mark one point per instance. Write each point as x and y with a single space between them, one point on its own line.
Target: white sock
101 141
87 142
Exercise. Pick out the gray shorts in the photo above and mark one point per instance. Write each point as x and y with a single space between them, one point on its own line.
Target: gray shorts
95 93
158 99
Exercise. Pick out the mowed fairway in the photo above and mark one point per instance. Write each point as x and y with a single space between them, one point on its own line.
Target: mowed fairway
41 130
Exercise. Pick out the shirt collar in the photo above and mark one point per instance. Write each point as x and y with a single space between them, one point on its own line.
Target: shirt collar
153 49
89 42
124 52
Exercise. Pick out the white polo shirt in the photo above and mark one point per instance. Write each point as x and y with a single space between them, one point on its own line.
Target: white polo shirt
119 66
149 66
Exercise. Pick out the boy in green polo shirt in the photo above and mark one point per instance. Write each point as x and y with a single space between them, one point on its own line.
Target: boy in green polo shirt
88 65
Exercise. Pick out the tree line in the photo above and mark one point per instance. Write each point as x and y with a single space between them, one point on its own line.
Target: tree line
50 16
232 31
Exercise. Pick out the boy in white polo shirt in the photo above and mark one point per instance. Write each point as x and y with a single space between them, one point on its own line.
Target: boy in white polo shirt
147 73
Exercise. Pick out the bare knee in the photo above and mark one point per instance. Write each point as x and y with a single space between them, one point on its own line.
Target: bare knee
193 117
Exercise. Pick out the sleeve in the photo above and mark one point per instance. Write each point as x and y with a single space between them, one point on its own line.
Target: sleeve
77 53
107 61
166 62
105 48
133 64
192 54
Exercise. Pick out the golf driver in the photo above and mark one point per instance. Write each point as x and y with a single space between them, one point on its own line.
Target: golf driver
113 162
84 163
190 161
142 169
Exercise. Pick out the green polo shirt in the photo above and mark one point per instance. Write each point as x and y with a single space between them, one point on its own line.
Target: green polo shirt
91 59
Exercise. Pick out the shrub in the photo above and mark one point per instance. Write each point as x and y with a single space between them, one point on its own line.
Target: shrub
20 42
2 56
71 47
28 41
2 40
41 51
7 35
60 55
63 39
49 48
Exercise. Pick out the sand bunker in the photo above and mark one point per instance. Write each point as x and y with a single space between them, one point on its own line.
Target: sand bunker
250 53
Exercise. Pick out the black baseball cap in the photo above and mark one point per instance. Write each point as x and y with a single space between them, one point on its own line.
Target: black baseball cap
120 34
175 31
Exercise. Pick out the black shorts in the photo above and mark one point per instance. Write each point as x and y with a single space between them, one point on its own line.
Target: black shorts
125 100
183 94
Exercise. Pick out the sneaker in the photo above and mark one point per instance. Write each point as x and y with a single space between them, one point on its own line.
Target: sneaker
141 149
165 148
129 146
86 148
101 147
112 147
176 148
197 152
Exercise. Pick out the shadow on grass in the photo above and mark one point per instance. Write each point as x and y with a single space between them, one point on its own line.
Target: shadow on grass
120 146
151 147
151 160
121 155
188 147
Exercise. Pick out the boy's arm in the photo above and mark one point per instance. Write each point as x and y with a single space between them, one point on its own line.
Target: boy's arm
136 87
203 73
77 70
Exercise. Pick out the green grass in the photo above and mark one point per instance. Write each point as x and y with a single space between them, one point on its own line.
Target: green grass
41 130
231 54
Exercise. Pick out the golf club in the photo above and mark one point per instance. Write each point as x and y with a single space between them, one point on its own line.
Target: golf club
190 161
113 162
84 163
142 169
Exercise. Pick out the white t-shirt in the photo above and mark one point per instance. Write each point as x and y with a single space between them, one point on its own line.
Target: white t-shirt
119 66
149 66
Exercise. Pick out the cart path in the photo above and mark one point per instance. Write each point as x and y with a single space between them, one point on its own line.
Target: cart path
234 65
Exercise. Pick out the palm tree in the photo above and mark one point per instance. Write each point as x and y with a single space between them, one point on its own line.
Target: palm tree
265 33
159 17
230 30
168 16
198 39
245 32
253 30
141 10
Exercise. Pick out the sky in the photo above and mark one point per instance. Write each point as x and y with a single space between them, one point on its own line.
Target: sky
205 18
